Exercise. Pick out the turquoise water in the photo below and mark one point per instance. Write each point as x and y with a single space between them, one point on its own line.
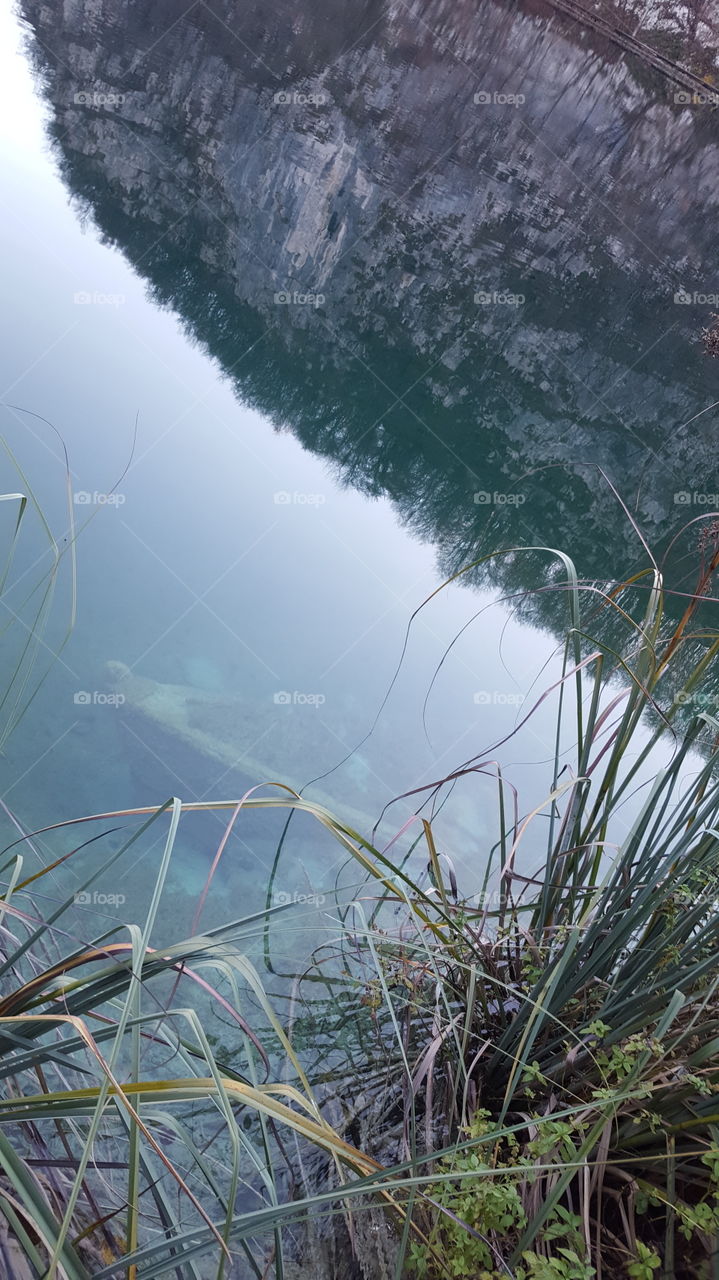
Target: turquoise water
308 357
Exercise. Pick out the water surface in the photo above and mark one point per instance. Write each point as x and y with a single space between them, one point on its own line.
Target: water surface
322 312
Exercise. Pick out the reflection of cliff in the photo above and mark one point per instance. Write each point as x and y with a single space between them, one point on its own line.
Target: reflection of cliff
376 181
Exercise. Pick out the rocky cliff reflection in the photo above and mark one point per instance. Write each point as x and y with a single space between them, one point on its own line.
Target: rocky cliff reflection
440 243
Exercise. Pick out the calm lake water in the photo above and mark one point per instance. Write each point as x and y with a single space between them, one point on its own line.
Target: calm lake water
324 308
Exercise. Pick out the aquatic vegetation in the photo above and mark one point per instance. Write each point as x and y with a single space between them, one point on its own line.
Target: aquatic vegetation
521 1083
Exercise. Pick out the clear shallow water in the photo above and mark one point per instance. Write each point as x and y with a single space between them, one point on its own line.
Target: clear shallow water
261 567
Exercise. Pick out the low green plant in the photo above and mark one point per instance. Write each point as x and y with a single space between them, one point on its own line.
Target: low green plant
480 1203
482 1211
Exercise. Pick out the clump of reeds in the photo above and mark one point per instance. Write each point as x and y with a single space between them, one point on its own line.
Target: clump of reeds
522 1086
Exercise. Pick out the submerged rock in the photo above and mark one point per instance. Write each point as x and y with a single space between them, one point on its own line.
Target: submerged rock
209 741
202 673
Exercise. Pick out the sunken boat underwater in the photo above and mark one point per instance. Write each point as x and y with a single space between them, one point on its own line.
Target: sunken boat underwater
197 744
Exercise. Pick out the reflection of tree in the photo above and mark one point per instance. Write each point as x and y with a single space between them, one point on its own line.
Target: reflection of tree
682 17
688 16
